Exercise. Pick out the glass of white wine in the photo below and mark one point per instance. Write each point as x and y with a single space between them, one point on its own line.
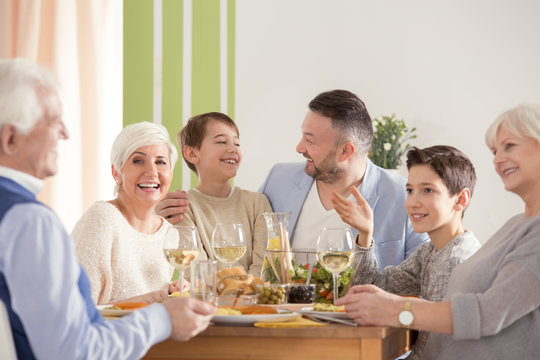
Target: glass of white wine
228 242
181 246
335 252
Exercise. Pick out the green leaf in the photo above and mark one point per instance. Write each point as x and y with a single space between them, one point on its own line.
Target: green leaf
393 132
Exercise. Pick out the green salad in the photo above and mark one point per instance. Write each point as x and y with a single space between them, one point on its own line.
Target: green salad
319 276
324 290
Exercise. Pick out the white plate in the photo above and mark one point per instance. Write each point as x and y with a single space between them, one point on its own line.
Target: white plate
110 312
337 315
281 316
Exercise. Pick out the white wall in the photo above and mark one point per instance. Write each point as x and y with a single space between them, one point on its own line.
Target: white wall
448 68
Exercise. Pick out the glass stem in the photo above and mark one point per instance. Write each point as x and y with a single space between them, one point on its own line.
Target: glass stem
335 283
181 282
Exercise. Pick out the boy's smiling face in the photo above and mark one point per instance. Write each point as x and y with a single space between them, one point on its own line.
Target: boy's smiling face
429 204
219 155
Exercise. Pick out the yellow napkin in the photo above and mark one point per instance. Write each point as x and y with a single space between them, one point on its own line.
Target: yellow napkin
300 322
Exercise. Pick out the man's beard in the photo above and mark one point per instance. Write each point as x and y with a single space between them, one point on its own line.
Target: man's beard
328 172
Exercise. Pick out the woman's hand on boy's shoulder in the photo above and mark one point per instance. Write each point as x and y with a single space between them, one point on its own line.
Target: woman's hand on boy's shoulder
173 206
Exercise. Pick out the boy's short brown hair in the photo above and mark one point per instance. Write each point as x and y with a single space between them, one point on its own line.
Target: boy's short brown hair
193 132
452 166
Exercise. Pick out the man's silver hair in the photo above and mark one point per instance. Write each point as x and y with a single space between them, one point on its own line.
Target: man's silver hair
19 102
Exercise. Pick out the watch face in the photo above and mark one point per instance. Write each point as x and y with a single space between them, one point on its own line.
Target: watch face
405 318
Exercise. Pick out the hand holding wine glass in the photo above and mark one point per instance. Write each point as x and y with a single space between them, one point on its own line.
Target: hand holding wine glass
228 242
335 252
181 246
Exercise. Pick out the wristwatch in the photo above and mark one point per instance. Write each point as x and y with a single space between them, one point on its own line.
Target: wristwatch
406 316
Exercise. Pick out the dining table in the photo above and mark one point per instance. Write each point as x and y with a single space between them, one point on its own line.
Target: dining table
333 341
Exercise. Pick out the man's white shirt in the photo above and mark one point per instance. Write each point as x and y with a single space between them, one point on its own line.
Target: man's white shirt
313 218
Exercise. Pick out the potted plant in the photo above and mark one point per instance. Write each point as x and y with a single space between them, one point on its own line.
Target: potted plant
390 141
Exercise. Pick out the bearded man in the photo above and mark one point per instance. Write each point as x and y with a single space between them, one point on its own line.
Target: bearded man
336 138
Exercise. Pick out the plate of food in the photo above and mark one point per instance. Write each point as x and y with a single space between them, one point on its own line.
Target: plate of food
249 315
120 309
328 310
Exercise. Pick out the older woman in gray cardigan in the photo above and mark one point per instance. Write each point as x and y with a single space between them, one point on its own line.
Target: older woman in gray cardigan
491 308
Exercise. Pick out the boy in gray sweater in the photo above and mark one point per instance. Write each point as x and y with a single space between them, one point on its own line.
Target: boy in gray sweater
439 188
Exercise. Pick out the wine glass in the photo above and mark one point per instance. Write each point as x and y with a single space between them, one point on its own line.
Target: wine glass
335 252
228 242
181 246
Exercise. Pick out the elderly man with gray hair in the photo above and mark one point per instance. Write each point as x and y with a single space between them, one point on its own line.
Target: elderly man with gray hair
45 290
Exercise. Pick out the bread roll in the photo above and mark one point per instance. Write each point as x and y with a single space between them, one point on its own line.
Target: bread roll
235 279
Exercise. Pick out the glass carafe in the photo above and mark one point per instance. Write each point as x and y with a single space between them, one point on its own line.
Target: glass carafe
277 265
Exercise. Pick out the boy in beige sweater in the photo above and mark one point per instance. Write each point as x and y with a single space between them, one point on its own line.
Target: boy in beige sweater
210 146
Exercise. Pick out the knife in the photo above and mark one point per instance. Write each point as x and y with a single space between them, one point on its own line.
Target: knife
330 318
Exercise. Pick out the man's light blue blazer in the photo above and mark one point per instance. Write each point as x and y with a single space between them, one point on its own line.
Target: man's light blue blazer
287 186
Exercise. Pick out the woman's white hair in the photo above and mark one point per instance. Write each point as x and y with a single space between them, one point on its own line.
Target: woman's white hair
19 102
137 135
522 121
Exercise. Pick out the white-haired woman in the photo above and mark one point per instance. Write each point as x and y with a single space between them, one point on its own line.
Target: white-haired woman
492 303
119 242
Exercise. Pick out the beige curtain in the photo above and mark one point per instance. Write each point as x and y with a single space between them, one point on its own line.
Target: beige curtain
81 42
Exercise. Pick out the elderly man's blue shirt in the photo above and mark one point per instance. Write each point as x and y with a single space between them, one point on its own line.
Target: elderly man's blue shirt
12 194
47 294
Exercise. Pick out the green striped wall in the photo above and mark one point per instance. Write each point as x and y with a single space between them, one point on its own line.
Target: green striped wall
231 54
205 60
138 61
205 66
172 77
